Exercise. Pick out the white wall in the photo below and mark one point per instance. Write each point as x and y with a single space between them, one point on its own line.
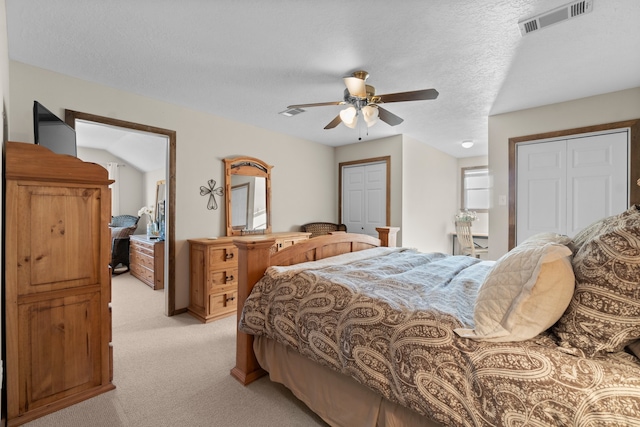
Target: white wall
429 199
303 187
391 146
601 109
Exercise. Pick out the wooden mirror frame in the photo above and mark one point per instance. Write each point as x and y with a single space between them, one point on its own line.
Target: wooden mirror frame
247 166
160 188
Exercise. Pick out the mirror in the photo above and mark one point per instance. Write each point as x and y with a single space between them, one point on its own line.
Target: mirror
248 191
160 197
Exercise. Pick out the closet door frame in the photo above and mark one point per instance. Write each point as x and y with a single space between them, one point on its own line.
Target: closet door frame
634 162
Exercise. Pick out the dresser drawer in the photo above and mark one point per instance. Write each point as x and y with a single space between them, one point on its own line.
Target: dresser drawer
142 273
142 259
142 248
222 278
224 302
222 257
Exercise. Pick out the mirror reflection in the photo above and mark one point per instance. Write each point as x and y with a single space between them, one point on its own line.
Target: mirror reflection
248 190
249 202
160 197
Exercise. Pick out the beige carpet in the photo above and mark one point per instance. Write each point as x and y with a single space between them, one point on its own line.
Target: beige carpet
174 371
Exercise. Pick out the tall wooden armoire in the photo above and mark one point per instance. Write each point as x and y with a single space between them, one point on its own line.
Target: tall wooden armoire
57 281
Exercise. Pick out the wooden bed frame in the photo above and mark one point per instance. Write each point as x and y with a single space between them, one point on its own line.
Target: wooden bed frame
255 256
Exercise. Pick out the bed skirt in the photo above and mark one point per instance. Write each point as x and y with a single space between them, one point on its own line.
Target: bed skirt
338 399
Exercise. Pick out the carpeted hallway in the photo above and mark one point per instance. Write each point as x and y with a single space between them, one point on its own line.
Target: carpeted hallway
174 371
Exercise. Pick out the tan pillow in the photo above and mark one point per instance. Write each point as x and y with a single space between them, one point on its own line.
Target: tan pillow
548 237
524 294
604 314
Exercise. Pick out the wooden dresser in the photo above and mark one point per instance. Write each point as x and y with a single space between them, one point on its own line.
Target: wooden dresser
57 281
213 274
146 260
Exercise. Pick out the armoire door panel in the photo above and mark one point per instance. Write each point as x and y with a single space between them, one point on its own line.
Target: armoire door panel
59 238
60 347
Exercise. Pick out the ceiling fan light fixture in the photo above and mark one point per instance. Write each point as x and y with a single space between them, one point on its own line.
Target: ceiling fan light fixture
349 117
467 143
370 115
356 87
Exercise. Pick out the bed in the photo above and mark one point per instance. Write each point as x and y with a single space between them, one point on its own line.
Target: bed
544 336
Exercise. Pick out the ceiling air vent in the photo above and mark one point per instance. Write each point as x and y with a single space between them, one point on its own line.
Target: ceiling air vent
554 16
292 112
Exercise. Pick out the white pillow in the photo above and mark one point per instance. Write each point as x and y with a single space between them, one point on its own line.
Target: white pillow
525 293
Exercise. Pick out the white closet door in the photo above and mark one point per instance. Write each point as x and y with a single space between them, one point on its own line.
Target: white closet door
364 198
597 179
563 186
541 189
353 179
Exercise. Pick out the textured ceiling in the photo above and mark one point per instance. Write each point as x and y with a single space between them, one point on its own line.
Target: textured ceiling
249 60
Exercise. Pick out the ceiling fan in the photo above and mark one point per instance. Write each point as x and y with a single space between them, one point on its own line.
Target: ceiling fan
363 101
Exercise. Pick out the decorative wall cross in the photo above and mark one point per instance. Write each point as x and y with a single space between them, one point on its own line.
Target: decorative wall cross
212 191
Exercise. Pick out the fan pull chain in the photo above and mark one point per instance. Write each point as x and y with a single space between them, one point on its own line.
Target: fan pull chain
360 124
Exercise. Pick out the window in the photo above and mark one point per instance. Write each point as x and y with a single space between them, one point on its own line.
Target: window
475 188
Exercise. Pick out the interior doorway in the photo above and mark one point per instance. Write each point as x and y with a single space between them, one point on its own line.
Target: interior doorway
169 274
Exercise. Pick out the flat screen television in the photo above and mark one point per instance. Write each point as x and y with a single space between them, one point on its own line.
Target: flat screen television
53 133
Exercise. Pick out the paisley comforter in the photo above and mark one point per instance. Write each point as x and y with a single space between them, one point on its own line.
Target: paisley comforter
386 318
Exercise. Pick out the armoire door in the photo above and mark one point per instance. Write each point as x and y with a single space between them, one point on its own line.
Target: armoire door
364 197
565 185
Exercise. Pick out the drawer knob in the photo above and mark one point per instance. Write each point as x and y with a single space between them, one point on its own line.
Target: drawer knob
229 256
230 299
229 278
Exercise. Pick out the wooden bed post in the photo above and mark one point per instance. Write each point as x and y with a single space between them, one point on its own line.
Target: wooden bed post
388 236
253 260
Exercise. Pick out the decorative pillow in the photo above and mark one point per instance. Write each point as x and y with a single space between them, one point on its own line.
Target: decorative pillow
525 293
604 314
634 348
590 232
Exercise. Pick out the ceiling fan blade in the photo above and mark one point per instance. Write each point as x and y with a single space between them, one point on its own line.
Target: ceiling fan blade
416 95
356 87
388 117
335 122
318 104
